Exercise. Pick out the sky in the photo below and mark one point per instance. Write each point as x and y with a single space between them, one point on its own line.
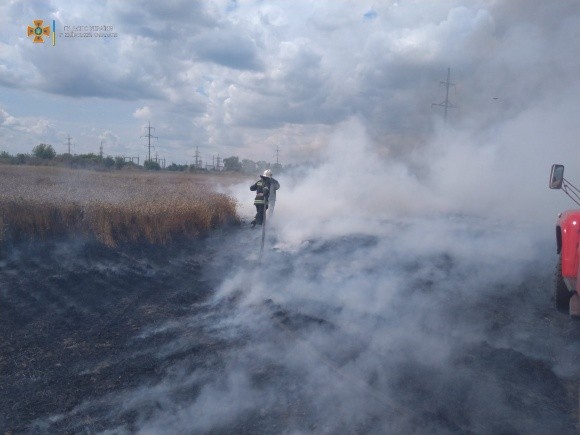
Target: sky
245 77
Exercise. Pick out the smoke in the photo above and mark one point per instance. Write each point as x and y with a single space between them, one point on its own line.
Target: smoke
407 289
392 297
458 173
376 333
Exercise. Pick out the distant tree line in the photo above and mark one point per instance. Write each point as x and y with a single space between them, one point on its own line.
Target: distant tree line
44 154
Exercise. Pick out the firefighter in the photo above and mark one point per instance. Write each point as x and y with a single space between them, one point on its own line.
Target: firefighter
262 189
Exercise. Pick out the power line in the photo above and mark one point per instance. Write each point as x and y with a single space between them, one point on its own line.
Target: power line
446 104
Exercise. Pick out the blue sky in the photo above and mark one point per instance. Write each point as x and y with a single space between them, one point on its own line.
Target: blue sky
243 77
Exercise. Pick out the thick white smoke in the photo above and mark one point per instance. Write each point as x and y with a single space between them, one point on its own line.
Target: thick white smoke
501 176
394 295
387 263
379 288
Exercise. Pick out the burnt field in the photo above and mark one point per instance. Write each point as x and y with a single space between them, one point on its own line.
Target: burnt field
359 333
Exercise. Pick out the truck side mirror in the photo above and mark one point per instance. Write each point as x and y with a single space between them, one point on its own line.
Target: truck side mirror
556 177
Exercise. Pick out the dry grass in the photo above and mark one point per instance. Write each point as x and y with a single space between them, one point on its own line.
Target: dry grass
38 202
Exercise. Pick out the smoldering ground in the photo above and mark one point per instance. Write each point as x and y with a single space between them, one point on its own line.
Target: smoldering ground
354 333
387 300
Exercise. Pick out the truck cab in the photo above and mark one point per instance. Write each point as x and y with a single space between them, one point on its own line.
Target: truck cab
566 282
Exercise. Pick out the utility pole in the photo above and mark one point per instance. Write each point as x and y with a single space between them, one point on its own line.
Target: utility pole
149 136
446 104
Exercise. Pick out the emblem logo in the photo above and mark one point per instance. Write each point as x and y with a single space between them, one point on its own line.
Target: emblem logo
37 31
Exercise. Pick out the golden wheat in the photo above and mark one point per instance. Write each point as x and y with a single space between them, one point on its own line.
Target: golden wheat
38 202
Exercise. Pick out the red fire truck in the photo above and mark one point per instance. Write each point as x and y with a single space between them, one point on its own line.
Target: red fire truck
566 282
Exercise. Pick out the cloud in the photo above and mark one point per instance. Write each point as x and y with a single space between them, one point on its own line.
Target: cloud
21 134
227 48
173 22
231 70
6 119
142 113
297 90
109 138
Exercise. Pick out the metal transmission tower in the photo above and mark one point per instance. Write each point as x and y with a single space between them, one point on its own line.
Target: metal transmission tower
277 166
101 151
149 136
219 163
197 159
69 144
446 104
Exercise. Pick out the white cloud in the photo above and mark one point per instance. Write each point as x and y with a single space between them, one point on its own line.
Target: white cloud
21 134
225 71
142 113
109 138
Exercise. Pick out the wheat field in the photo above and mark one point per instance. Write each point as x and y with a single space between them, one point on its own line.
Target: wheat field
114 207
